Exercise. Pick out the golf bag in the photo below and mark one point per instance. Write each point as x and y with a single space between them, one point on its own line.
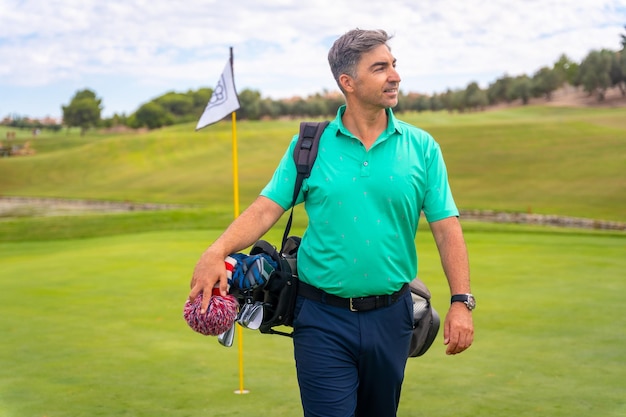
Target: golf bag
278 295
425 319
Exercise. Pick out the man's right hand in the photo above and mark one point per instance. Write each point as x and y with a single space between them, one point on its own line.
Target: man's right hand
209 270
243 232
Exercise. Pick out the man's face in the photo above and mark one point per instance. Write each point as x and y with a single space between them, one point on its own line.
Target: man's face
377 81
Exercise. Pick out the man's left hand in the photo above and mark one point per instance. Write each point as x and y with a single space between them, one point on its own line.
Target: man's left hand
458 331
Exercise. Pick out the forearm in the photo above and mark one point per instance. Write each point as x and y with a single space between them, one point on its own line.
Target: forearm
458 329
245 230
453 253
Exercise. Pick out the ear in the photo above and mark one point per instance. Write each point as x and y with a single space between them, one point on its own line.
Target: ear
346 82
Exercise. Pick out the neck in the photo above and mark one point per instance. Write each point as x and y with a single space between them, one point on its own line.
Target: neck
365 124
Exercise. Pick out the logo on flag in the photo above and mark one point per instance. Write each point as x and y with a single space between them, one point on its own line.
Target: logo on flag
223 101
220 94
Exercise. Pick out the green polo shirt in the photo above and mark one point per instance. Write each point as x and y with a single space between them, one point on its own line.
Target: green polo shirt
364 206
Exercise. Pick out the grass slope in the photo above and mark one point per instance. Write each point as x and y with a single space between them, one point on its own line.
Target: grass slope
540 159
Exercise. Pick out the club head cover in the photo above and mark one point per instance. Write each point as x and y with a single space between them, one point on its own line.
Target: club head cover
217 319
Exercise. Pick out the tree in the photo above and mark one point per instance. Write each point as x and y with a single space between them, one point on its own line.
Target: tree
114 121
83 111
269 109
499 91
299 107
250 102
457 101
422 103
334 102
177 104
152 115
545 81
617 74
436 103
521 89
595 72
318 106
200 99
566 70
474 97
618 67
622 66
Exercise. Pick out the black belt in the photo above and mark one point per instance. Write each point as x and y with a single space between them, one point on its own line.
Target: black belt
353 304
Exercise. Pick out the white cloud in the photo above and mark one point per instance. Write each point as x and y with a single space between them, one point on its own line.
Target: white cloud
280 46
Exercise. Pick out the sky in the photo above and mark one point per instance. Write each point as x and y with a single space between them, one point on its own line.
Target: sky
132 51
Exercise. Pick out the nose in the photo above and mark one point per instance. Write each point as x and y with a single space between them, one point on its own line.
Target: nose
394 75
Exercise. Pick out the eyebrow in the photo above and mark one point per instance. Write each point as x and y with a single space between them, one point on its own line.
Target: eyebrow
382 63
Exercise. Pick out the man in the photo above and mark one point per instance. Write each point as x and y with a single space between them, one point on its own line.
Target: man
373 177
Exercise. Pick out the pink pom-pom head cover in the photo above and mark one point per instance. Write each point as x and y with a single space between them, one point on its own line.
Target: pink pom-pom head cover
218 318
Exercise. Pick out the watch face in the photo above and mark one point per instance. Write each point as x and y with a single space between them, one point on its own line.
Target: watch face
471 302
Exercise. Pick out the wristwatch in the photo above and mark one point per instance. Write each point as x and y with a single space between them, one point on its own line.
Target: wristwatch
467 299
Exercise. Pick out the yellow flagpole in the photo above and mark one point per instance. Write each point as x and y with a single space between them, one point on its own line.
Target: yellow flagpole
241 390
235 167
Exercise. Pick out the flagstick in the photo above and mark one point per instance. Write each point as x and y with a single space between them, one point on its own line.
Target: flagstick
224 100
236 205
235 167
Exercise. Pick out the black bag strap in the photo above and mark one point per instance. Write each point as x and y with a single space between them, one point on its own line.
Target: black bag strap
304 155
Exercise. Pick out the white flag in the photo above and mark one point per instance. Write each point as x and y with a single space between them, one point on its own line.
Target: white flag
223 101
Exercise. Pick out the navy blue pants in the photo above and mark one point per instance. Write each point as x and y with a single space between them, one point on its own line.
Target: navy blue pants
351 364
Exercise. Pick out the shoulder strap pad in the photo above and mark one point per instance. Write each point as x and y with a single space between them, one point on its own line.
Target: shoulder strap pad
304 155
306 148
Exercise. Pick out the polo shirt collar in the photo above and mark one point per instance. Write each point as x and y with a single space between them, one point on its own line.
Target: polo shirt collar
392 125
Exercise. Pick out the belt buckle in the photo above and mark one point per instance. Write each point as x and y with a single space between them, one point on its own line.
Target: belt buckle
352 305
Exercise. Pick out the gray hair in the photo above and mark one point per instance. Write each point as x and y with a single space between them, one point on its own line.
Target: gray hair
346 52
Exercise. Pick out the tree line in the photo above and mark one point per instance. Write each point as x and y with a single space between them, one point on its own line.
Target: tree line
599 71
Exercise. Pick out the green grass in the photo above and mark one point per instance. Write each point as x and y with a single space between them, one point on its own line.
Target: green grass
538 159
95 225
93 327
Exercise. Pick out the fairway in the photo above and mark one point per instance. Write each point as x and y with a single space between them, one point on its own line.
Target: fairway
92 304
94 327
